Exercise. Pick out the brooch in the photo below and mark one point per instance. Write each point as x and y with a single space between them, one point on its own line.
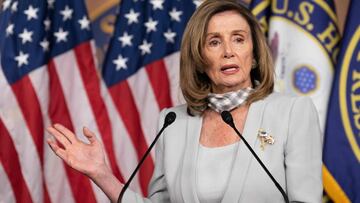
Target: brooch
265 138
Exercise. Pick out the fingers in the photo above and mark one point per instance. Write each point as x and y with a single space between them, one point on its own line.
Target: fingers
66 137
57 150
66 132
59 136
89 135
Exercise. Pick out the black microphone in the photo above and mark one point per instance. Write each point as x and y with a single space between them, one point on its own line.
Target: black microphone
169 119
227 118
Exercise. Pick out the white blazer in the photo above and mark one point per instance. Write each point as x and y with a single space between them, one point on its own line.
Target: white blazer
295 159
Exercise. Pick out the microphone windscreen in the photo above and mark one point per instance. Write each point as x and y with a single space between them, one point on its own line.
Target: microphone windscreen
170 118
227 118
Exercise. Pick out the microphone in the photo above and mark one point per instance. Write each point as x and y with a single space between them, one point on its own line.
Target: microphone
228 119
169 119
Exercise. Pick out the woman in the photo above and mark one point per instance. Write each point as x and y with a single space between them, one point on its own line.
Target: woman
225 65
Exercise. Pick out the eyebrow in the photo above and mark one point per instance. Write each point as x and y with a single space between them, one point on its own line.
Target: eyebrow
234 31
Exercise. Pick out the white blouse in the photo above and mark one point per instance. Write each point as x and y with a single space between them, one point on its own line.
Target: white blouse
213 171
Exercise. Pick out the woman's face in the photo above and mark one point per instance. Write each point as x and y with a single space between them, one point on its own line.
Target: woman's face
229 51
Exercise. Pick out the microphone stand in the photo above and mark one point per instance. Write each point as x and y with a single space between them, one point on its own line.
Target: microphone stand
227 118
169 119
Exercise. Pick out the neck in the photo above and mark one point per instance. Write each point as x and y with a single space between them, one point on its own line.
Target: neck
224 89
209 112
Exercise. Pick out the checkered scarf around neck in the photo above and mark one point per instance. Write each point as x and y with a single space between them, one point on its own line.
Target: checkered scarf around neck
229 100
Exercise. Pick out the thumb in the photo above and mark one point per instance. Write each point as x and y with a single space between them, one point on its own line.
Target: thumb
89 135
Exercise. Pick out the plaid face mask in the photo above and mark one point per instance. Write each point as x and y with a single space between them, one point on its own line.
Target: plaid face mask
228 101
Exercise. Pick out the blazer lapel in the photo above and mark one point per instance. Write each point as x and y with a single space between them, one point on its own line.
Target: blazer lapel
188 173
244 156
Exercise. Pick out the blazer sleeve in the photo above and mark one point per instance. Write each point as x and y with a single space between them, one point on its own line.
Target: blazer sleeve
158 192
303 153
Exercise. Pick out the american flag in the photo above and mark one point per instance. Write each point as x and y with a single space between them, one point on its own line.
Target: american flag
141 72
48 75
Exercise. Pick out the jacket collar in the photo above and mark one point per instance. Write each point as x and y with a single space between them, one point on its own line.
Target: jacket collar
188 176
244 157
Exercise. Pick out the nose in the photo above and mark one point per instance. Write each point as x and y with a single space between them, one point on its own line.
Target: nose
228 50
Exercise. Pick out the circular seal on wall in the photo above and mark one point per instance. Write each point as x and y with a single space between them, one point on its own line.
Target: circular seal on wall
304 41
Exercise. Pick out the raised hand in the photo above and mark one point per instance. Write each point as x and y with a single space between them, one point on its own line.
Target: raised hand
85 158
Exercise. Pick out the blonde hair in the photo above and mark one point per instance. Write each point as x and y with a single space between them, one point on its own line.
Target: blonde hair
195 84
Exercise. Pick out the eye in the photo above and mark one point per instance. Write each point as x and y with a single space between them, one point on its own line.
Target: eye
239 39
214 42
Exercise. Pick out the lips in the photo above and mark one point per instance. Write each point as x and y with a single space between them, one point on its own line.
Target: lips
229 69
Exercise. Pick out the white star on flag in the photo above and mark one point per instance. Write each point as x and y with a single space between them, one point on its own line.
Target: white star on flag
22 59
47 24
157 4
45 44
151 25
67 13
26 36
145 47
132 17
125 39
6 4
10 29
120 62
169 35
61 35
197 2
31 12
14 6
84 23
175 15
51 3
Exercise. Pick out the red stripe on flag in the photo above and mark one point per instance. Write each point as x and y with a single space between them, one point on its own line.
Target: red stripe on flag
92 83
160 83
30 108
46 193
125 104
11 163
59 113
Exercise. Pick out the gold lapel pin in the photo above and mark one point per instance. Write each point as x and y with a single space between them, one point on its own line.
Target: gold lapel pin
265 138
